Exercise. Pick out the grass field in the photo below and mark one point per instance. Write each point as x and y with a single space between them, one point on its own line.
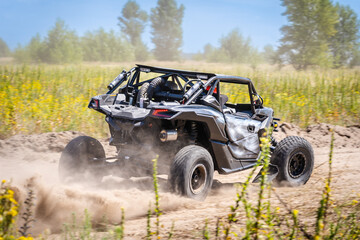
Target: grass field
41 98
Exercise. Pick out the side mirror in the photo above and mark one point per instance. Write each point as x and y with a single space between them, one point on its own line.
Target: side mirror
258 101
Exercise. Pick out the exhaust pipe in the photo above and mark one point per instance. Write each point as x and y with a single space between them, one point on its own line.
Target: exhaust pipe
168 135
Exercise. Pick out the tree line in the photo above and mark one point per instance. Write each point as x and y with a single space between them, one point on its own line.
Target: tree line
318 33
63 45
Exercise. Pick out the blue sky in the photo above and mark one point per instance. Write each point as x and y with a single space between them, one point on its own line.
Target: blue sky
205 21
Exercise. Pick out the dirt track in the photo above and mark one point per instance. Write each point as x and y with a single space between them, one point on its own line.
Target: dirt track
23 157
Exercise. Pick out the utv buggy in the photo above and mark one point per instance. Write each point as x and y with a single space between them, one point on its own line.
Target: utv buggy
186 119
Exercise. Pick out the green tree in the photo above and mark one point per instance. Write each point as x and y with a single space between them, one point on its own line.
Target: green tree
132 23
355 61
235 47
269 54
344 43
305 39
106 46
62 45
34 52
255 58
212 54
166 19
4 49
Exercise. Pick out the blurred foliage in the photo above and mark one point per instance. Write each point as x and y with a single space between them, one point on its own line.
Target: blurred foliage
356 59
4 49
234 48
166 19
345 42
269 54
62 45
42 98
319 33
305 38
132 22
51 98
106 47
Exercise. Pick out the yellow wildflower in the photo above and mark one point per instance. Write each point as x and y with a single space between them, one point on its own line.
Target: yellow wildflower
295 212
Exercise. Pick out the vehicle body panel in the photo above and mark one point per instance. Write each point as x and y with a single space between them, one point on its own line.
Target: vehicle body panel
192 111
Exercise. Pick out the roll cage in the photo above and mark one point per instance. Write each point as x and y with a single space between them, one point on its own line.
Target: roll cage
190 86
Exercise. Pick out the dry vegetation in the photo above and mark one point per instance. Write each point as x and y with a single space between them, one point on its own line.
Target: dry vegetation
41 98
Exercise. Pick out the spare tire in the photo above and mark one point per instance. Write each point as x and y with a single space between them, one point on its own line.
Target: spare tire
294 158
155 85
143 92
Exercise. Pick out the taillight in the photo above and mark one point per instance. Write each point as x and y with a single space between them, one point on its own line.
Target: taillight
95 103
165 113
209 87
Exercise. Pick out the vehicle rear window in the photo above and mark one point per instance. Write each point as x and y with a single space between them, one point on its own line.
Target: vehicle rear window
237 93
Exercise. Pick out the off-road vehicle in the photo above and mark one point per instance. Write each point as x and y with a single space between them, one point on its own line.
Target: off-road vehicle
196 123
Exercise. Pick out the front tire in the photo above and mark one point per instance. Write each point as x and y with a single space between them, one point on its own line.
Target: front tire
191 173
77 162
294 158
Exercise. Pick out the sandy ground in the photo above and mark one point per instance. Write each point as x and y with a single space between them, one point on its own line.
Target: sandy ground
36 157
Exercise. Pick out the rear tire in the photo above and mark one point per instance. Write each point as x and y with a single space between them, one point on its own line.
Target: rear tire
77 162
191 173
294 158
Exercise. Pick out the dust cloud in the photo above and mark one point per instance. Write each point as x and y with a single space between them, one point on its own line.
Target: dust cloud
34 159
55 204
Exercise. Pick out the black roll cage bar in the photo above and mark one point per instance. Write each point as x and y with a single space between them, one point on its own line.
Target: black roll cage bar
212 81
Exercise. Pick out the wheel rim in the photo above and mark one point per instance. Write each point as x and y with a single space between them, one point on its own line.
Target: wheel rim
297 165
198 179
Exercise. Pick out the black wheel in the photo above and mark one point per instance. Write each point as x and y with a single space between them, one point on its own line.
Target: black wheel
294 158
77 162
191 173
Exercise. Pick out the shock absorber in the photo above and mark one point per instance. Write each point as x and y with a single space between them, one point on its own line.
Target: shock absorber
273 144
194 131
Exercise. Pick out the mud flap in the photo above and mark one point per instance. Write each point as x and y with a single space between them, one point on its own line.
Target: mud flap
270 175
